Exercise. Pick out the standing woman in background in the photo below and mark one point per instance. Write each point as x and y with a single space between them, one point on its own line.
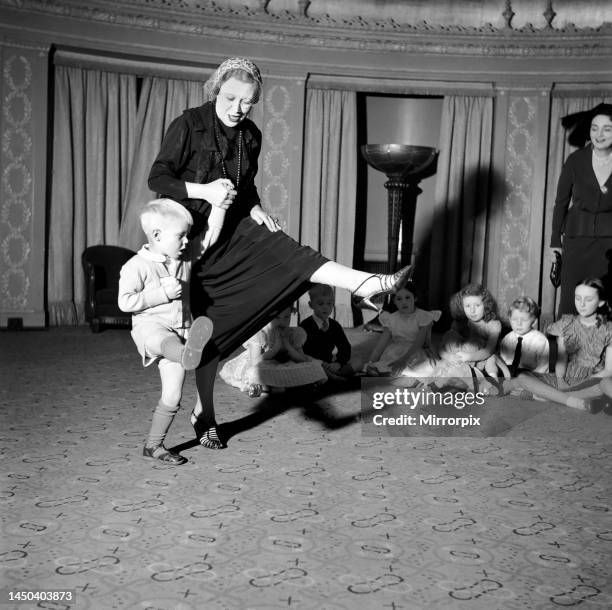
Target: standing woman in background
583 230
251 270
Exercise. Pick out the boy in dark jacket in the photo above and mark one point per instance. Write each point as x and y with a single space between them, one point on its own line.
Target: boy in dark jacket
325 338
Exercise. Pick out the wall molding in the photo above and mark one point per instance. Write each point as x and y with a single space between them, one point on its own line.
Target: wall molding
7 41
399 86
257 23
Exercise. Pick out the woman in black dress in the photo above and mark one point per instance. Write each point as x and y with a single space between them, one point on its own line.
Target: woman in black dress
251 269
582 216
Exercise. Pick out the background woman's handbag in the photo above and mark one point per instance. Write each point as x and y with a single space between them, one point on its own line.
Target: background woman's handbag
555 270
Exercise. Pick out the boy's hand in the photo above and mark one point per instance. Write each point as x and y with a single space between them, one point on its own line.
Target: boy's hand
172 287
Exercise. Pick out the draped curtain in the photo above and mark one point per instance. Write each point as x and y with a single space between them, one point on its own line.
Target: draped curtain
93 142
329 183
161 101
558 151
459 229
106 136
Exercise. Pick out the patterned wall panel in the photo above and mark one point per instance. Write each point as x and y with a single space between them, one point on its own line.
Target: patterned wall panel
277 133
23 160
282 124
516 209
16 180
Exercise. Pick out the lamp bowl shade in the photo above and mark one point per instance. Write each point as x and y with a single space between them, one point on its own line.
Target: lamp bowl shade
399 160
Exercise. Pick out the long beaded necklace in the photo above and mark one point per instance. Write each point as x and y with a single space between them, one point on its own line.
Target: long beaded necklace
223 166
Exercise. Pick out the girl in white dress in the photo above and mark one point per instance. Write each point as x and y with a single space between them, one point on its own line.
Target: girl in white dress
404 345
273 359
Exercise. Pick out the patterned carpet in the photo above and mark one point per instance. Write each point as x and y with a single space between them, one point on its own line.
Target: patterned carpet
301 511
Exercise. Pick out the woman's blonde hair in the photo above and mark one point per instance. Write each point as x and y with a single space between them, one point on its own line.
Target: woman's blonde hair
237 67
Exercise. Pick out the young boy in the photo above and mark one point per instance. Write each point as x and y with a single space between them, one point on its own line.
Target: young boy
324 334
524 348
532 355
154 286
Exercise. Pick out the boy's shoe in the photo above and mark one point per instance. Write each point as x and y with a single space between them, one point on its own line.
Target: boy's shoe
522 394
197 338
255 390
163 455
597 404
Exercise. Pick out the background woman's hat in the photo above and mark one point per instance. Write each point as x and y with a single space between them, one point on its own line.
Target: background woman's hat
579 123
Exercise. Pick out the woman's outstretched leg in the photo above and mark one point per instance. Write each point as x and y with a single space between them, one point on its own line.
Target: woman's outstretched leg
203 416
362 285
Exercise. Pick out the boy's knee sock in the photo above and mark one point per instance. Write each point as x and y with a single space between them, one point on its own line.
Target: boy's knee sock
160 424
172 348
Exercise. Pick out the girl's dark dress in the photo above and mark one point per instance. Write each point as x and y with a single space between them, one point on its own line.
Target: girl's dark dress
251 273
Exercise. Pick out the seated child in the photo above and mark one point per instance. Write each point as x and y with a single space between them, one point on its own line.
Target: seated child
402 349
468 348
584 361
274 359
324 335
473 335
524 348
154 286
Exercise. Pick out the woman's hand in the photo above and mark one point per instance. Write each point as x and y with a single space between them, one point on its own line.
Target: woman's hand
262 217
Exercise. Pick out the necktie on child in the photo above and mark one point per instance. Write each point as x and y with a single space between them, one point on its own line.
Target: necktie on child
325 326
517 357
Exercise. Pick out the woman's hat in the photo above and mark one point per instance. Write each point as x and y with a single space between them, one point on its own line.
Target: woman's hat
579 123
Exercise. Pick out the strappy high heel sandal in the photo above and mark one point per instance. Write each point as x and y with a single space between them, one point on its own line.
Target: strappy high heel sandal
207 437
387 284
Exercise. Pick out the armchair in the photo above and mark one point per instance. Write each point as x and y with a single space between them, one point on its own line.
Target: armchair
102 265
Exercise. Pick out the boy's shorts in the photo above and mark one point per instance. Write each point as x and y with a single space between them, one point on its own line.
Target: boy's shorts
148 337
